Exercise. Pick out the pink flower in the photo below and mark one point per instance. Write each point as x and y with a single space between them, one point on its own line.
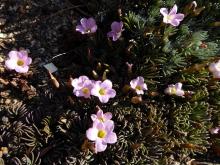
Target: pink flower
18 61
87 26
215 69
103 90
214 130
102 134
138 85
77 83
172 17
82 86
175 90
116 30
101 117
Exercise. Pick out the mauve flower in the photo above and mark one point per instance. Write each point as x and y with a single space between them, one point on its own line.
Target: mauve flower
175 90
77 83
87 26
101 117
116 30
102 134
103 90
215 69
172 17
82 86
85 91
18 61
214 130
138 85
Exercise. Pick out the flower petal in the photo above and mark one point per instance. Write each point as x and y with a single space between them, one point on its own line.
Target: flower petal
133 83
11 63
83 22
174 22
13 54
178 86
173 10
108 115
110 138
164 11
91 23
104 98
100 146
92 133
116 26
80 29
23 69
107 84
99 113
179 17
111 93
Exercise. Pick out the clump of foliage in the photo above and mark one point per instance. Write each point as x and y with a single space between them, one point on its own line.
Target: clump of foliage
160 129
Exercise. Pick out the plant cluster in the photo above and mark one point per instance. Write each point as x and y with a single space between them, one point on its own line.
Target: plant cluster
156 77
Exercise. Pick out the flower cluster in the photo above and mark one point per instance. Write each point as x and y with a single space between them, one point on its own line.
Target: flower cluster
88 26
84 87
101 131
215 69
18 61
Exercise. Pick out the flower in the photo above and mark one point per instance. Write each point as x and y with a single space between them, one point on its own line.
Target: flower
214 130
175 90
18 61
82 86
87 26
103 90
77 83
116 30
101 117
215 69
138 85
102 134
172 17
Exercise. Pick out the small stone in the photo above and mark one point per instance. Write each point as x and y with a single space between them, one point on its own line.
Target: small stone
7 101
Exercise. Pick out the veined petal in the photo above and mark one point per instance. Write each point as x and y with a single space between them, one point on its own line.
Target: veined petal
83 22
173 10
179 17
91 23
164 11
174 22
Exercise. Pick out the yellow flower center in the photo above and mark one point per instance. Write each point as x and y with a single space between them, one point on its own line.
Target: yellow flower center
85 90
102 91
101 119
169 17
173 90
20 63
101 134
138 87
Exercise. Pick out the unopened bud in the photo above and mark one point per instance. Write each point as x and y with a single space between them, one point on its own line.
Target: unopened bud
95 75
136 99
54 81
